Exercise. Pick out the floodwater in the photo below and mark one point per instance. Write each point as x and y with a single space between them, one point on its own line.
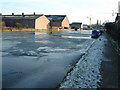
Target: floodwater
40 59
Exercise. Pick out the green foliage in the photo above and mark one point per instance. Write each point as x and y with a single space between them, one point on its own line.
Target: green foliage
116 45
113 29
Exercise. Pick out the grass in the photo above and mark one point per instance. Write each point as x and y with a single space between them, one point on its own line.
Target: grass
30 29
17 29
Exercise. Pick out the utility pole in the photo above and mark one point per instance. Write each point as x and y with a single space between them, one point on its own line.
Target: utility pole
90 24
90 20
97 23
113 15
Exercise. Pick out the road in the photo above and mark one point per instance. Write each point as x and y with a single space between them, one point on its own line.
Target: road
40 59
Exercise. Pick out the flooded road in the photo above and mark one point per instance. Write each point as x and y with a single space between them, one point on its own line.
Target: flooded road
40 59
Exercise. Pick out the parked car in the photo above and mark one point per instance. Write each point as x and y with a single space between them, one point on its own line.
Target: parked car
96 33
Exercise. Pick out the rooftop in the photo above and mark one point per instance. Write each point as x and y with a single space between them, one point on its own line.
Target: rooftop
76 22
55 17
21 16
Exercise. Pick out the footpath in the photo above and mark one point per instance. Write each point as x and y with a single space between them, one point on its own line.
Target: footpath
109 66
98 68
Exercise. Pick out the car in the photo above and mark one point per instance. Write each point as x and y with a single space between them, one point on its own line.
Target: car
95 33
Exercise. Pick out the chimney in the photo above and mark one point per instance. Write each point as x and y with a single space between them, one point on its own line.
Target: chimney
22 14
34 13
12 14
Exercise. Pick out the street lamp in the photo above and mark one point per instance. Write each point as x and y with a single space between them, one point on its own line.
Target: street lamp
90 20
90 24
112 15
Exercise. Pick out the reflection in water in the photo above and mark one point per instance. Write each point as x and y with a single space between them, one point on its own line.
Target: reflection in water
41 41
39 33
42 35
81 37
76 37
65 36
46 32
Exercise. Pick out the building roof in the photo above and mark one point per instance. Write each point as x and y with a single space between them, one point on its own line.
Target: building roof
26 16
76 22
56 17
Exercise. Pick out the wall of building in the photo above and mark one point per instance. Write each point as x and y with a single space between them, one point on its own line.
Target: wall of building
55 23
76 25
30 23
65 22
42 23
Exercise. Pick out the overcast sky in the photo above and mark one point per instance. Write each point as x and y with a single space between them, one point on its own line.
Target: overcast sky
76 10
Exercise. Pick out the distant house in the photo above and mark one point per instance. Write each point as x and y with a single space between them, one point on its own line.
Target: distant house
36 21
58 21
85 27
76 25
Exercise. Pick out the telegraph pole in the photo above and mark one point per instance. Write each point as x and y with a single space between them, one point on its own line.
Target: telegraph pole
90 20
90 24
113 15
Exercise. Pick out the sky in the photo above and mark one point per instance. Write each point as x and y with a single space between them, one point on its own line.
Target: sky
76 10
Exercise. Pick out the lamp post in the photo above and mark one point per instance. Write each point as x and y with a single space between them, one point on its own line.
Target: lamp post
90 20
112 15
90 24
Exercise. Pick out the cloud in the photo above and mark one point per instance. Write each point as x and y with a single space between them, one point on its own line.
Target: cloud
31 1
76 10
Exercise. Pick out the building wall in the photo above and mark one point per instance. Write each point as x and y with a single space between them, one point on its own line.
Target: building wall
65 22
42 23
76 25
85 27
55 23
30 23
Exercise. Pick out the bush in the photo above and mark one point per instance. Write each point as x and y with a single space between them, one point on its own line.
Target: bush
113 29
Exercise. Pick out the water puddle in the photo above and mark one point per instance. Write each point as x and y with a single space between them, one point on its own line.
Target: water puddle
41 41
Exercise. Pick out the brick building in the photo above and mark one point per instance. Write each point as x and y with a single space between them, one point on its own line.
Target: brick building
58 21
76 25
36 21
